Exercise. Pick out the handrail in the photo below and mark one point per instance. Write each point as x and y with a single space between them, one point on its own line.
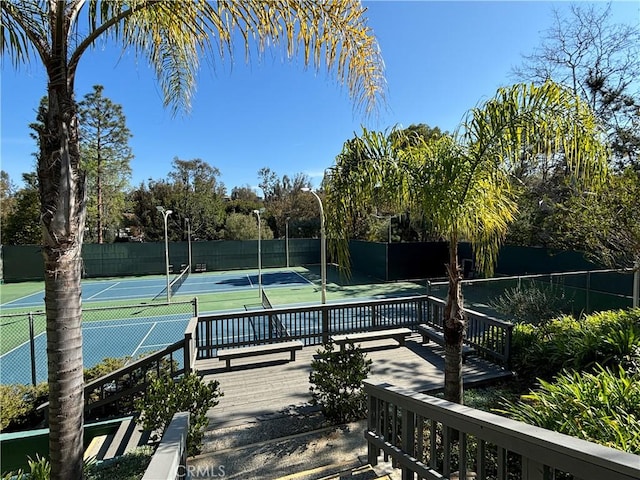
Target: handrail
423 434
170 458
134 377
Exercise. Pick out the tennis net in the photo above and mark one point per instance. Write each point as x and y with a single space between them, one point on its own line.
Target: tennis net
278 327
175 284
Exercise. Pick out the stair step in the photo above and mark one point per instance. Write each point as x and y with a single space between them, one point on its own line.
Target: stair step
120 439
95 446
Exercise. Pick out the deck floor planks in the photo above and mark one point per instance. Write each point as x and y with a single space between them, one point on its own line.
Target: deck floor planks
263 386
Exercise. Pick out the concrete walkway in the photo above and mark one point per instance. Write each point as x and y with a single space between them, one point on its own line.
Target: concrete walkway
265 427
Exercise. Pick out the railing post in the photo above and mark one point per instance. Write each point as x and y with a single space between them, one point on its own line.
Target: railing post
325 324
32 346
195 306
372 421
186 349
408 436
374 316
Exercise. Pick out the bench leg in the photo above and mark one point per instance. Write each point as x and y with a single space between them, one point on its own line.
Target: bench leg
293 355
401 341
228 360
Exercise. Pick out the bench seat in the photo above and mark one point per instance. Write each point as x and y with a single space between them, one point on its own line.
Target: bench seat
399 334
431 333
254 350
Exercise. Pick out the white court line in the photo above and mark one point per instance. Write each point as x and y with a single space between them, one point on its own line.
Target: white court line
305 279
22 344
103 290
250 282
142 341
22 298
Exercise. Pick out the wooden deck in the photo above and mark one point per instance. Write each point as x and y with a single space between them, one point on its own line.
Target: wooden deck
262 387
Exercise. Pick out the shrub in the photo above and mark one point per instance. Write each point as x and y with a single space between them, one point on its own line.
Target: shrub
166 397
105 367
19 403
129 466
336 382
531 303
601 407
607 338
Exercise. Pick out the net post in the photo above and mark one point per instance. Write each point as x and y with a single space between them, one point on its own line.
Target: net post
195 306
32 346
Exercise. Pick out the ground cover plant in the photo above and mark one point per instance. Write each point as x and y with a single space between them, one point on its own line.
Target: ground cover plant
336 382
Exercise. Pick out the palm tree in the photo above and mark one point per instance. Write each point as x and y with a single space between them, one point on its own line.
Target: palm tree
461 185
172 36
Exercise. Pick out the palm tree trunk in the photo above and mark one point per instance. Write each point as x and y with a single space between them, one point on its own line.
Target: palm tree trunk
454 327
62 192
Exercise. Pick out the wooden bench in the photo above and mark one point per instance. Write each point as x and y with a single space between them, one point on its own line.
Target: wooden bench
398 334
200 267
431 333
242 352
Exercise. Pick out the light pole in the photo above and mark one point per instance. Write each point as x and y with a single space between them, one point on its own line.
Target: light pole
286 238
189 240
323 246
257 212
165 215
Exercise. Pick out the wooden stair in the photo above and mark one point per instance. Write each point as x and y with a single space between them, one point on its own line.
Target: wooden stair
126 438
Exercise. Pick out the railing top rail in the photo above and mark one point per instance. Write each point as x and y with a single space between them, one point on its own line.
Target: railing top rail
554 449
474 313
167 461
312 308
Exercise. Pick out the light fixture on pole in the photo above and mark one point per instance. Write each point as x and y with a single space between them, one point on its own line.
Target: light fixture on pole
286 238
257 212
165 215
323 246
189 240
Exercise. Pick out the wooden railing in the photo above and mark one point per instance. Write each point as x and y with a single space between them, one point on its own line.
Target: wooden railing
169 462
488 335
315 324
434 439
114 394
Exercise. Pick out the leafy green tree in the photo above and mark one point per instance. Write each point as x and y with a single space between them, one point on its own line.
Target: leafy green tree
245 227
461 184
7 200
172 36
105 157
283 200
21 226
606 222
199 196
243 200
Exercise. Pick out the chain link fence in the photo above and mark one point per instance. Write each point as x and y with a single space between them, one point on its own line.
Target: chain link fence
108 332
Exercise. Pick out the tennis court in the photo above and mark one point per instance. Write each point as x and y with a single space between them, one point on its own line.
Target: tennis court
144 289
101 339
141 327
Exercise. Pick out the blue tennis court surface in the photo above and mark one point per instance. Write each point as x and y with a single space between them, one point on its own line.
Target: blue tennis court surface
148 288
101 339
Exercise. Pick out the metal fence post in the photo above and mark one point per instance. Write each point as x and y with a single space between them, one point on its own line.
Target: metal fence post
32 345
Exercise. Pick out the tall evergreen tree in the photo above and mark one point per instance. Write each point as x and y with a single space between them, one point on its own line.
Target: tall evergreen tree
105 156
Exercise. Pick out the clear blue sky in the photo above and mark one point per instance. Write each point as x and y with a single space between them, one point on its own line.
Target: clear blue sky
442 58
